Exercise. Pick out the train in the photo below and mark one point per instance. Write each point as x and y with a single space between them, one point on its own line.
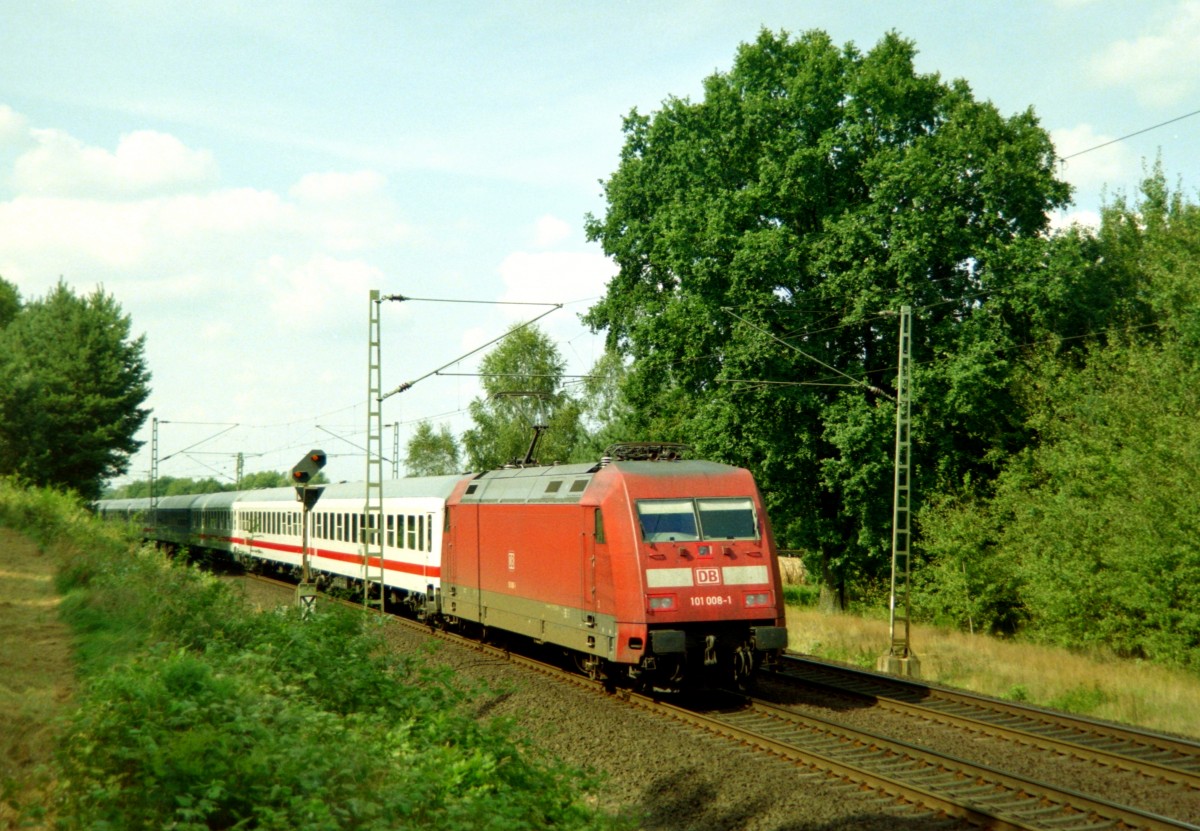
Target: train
644 568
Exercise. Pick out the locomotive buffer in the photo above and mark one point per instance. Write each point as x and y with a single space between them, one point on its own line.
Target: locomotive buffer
307 495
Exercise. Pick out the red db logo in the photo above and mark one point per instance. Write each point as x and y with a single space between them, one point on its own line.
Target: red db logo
708 577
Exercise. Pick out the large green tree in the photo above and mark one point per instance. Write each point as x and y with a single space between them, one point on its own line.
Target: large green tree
522 378
764 235
72 382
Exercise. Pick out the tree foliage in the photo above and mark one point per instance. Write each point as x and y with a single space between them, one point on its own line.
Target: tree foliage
522 378
764 233
1089 537
72 382
432 453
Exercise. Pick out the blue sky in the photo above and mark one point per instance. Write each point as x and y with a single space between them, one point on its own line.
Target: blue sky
240 174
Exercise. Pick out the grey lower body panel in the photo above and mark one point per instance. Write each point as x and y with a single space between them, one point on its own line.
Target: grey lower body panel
571 627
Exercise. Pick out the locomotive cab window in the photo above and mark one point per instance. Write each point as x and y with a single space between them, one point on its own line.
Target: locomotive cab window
727 519
686 520
664 520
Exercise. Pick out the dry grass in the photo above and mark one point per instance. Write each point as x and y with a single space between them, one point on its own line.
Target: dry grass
1130 692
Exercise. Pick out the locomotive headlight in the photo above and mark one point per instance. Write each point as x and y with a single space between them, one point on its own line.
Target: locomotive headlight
758 599
661 602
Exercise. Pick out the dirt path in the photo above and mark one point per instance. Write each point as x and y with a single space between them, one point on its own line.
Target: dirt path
37 674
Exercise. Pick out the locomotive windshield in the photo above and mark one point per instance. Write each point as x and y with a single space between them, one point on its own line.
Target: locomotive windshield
685 520
727 519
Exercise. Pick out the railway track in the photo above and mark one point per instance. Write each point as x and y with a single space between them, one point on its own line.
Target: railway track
1131 749
978 794
908 779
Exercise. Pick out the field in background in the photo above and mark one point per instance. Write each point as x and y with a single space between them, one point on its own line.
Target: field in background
1131 692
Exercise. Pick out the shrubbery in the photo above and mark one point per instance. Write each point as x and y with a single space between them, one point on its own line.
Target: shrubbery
199 714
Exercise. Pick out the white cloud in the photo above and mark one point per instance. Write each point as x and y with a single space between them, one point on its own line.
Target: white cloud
554 277
549 231
349 211
145 163
1111 165
321 188
1159 65
14 130
309 297
1066 219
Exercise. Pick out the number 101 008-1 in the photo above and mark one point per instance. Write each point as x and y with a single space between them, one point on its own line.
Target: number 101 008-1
713 600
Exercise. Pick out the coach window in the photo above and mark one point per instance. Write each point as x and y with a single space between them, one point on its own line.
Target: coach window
391 531
421 533
412 533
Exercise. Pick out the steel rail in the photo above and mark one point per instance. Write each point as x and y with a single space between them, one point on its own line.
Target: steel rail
1168 758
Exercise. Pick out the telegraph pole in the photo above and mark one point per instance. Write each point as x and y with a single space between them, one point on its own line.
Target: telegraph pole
900 659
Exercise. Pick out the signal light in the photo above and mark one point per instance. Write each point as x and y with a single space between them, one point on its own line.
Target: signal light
308 467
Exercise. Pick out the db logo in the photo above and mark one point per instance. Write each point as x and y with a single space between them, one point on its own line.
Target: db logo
708 577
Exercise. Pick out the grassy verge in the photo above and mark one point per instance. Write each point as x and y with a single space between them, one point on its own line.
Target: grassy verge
196 713
1130 692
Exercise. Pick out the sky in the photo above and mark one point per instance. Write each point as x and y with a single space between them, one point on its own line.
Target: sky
240 175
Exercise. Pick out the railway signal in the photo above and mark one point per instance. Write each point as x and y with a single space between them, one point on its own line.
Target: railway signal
302 474
308 467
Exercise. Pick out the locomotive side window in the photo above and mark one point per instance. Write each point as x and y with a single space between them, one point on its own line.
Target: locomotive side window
664 520
727 519
599 526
